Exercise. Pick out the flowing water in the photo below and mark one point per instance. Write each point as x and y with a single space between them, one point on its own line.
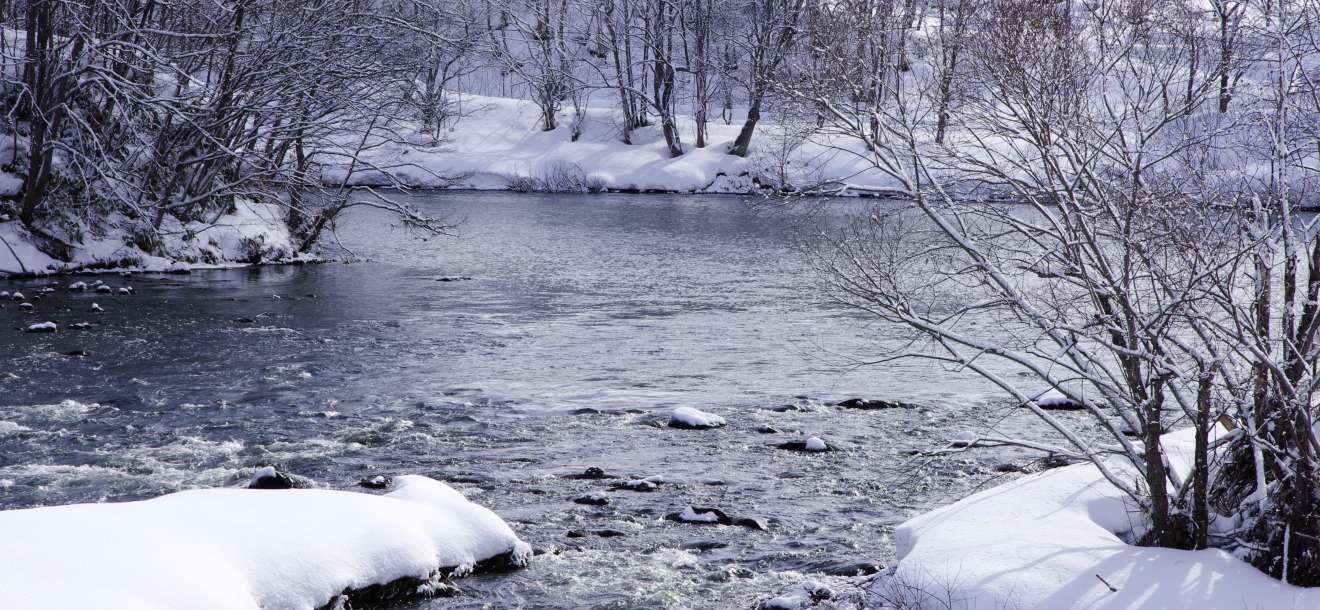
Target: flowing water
585 321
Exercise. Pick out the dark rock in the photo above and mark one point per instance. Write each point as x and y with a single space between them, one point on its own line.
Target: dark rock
756 524
853 569
590 474
578 534
596 499
862 403
245 320
802 446
764 429
682 425
610 533
637 485
277 481
587 411
26 306
468 478
376 482
786 408
104 288
1008 468
721 518
704 545
77 352
41 328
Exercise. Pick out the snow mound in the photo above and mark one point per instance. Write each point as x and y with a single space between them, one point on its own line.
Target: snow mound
1040 542
687 417
222 549
815 444
1050 398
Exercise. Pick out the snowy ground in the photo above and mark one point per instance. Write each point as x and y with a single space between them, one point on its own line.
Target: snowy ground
242 549
1055 540
500 141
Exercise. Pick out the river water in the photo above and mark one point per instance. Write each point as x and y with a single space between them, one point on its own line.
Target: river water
585 321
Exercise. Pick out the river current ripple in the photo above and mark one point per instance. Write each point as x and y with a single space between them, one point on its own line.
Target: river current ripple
585 321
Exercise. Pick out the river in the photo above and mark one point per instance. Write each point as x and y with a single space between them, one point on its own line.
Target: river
553 334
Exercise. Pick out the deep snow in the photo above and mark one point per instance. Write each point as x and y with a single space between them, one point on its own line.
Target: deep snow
241 549
1058 540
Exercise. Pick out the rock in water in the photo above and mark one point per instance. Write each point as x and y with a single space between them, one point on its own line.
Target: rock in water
591 473
764 429
813 445
376 482
689 418
105 288
862 403
700 515
595 499
1052 399
267 478
44 327
704 545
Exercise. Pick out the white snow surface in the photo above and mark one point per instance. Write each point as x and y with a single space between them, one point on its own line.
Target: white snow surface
240 549
1039 542
695 418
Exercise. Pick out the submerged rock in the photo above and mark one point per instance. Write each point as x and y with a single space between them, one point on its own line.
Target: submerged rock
590 474
704 545
862 403
764 429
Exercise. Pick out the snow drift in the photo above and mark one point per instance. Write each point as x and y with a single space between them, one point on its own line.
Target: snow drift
1058 539
242 549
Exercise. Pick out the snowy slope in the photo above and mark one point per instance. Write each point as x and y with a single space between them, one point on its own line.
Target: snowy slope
1039 543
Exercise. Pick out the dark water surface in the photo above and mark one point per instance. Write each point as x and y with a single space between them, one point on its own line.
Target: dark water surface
585 321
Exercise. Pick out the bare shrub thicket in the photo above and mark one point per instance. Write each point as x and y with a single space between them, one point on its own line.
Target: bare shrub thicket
1153 266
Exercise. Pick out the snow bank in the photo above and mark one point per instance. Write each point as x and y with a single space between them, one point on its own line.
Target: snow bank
252 233
222 549
1040 542
499 143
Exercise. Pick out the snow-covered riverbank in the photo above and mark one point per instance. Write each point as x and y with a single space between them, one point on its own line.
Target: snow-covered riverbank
244 549
498 144
252 233
1055 540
